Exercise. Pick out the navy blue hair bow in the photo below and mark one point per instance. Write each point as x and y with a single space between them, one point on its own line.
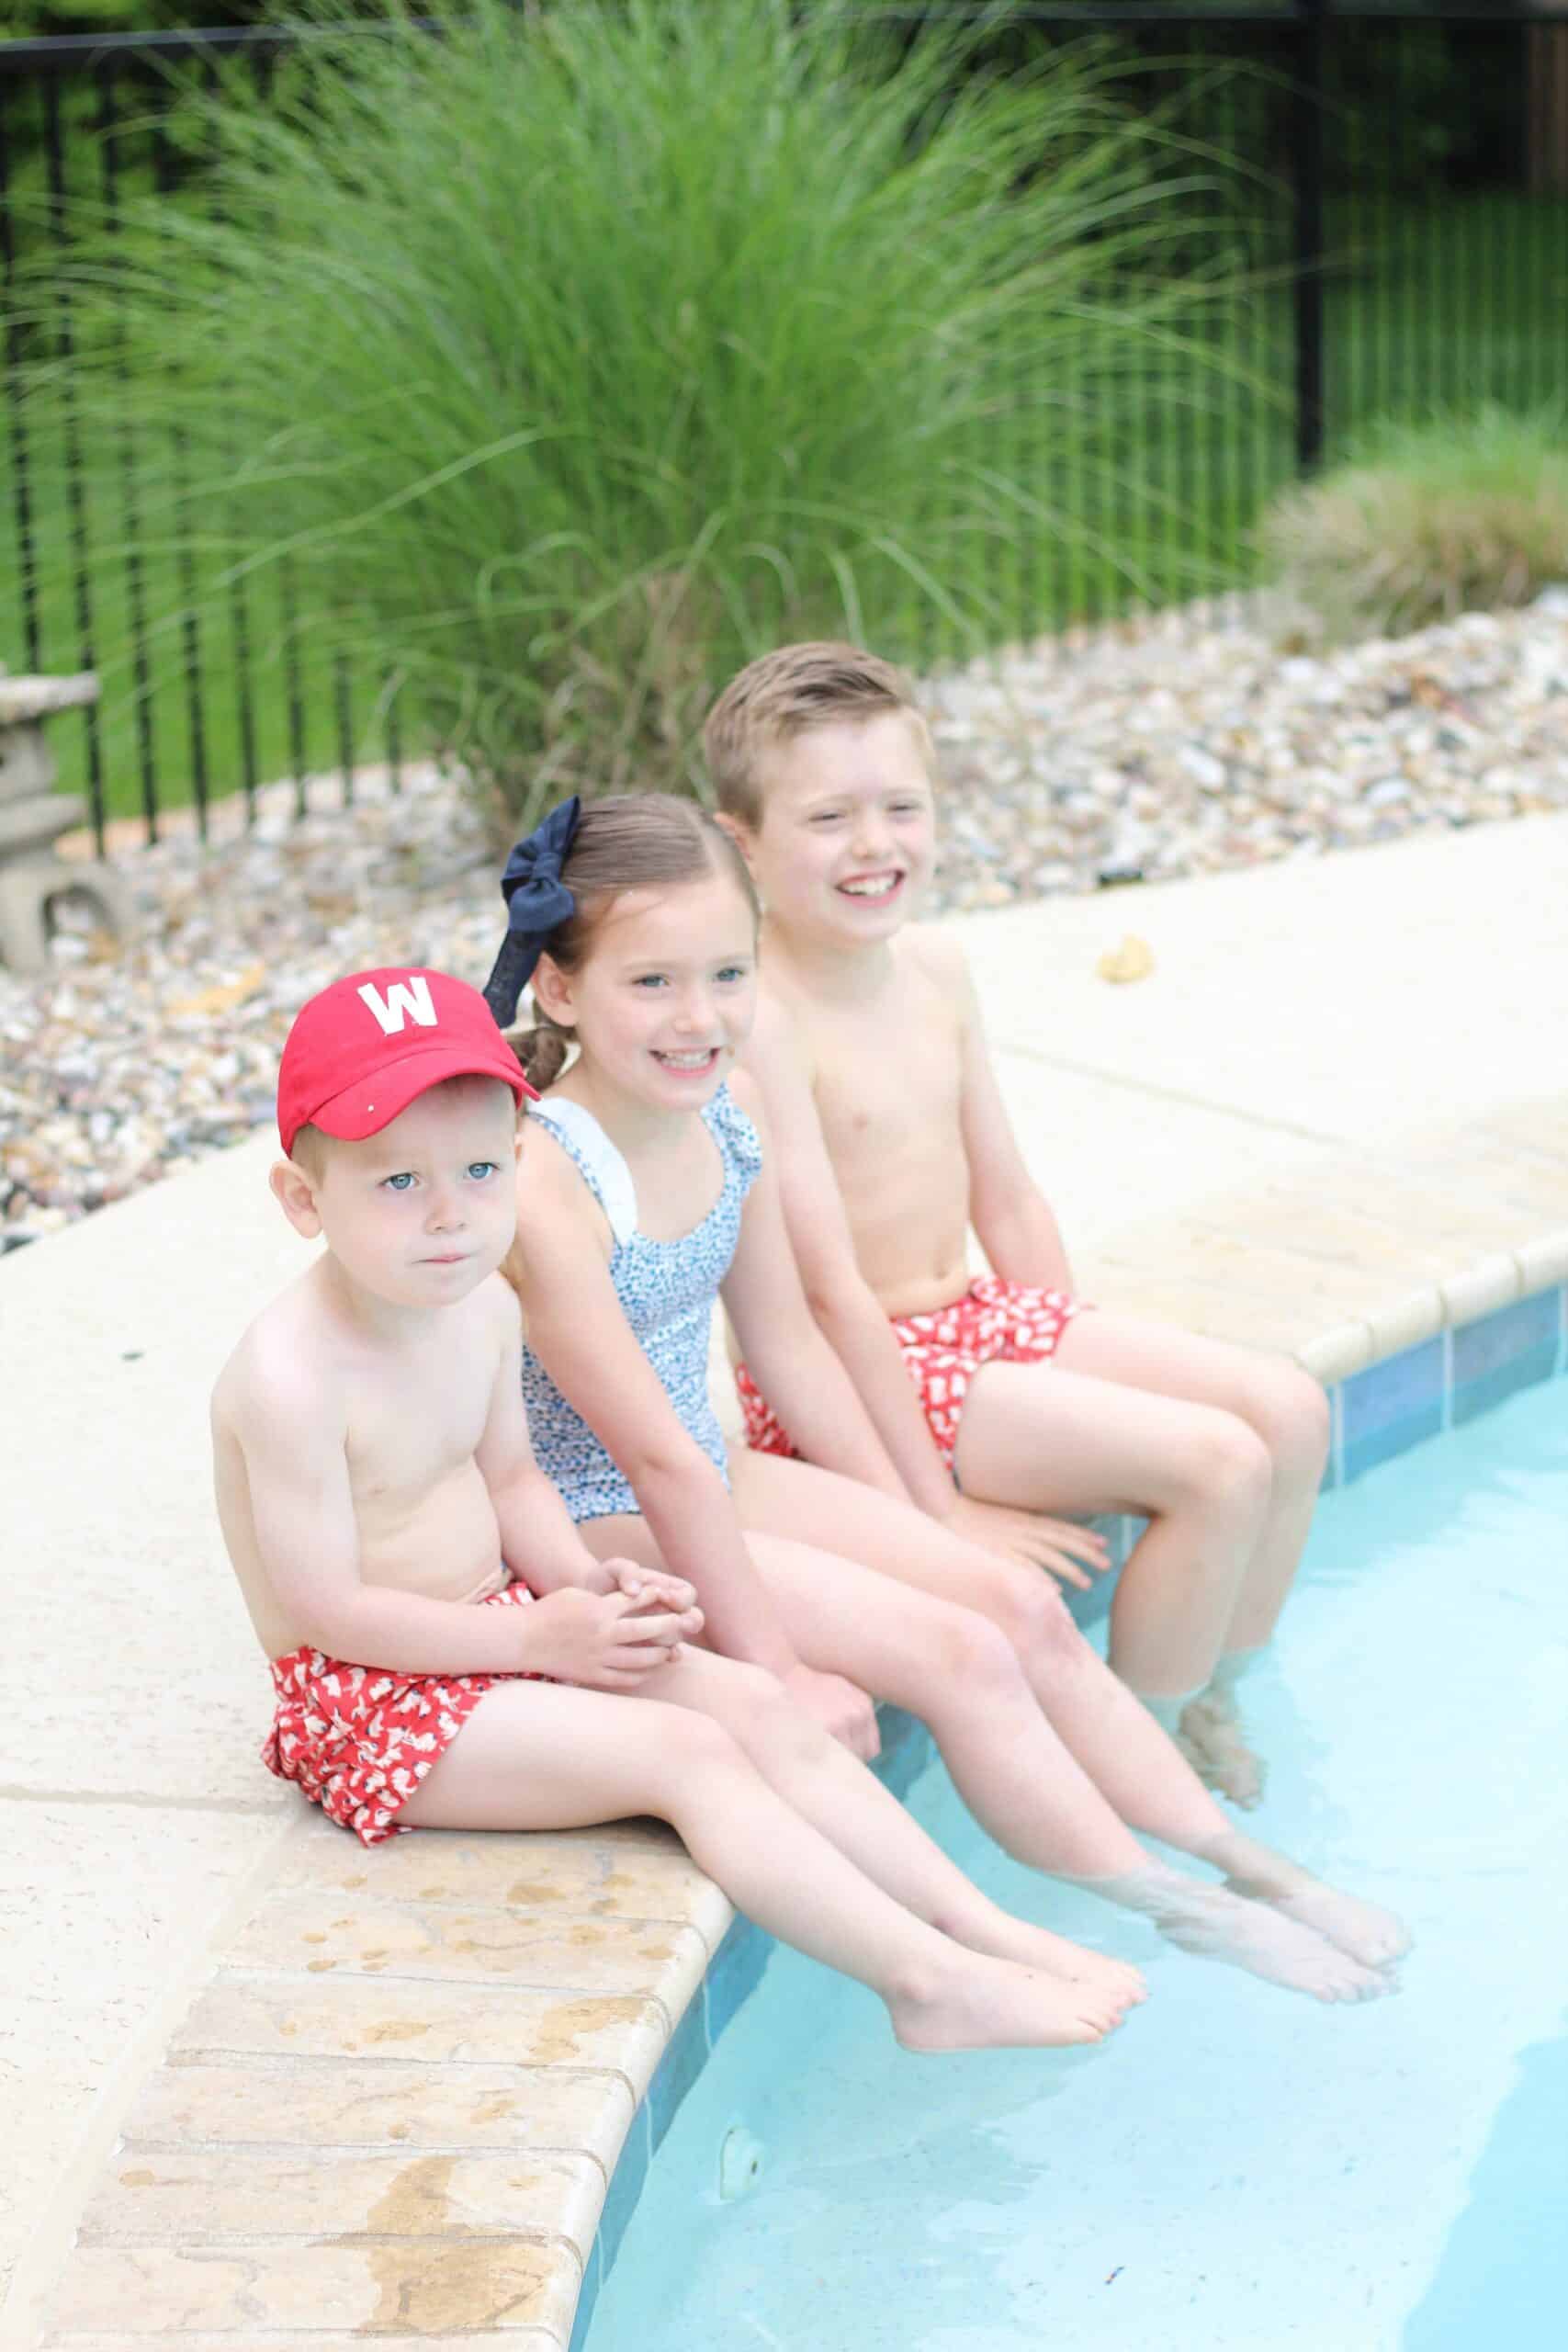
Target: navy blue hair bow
537 902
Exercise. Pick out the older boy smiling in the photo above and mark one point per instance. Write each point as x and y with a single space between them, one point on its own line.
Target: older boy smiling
999 1396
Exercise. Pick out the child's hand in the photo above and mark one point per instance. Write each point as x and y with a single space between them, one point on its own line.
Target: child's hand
1057 1544
603 1641
652 1588
841 1707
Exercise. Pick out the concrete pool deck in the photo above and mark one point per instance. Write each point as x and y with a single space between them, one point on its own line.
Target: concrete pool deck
259 2087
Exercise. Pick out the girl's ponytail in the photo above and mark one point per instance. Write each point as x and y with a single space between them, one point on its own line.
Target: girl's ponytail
543 1050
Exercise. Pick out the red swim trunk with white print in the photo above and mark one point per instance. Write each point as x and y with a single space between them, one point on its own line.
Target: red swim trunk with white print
994 1322
359 1740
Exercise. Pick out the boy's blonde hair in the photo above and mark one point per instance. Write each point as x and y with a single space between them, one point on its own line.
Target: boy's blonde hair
782 695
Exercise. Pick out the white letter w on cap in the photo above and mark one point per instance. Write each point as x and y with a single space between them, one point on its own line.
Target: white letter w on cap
404 1001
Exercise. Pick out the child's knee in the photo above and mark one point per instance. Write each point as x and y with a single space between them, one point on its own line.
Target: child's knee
769 1725
695 1744
974 1654
1227 1463
1294 1422
1036 1620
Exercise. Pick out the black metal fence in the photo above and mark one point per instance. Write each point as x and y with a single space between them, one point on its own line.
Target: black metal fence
1406 244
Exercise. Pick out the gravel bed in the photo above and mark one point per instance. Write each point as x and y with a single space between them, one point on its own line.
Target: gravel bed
1137 753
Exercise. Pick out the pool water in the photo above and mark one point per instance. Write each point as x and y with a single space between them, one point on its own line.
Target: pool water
1238 2168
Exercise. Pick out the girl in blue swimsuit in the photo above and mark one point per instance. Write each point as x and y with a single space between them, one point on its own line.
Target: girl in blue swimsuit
646 1196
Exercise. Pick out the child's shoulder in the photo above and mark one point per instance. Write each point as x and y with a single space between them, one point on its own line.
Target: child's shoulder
777 1027
558 1195
746 1095
928 952
277 1372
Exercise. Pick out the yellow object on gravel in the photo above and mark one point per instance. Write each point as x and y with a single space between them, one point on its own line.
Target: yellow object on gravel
1133 960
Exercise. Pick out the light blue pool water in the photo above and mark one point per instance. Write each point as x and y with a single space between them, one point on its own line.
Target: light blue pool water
1238 2169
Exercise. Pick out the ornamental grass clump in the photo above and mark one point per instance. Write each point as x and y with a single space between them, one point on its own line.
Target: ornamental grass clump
1425 520
563 361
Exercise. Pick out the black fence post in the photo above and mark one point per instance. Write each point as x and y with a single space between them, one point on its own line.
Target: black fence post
1307 167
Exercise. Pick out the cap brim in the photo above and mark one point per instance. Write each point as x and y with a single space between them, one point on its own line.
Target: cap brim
362 1110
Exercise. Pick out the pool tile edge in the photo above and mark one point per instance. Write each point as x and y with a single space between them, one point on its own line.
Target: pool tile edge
647 2045
1407 1350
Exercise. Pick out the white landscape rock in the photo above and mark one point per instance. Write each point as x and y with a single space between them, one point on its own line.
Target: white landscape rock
1152 751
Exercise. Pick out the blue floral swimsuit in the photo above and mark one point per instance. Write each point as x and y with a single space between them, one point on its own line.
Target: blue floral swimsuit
666 1289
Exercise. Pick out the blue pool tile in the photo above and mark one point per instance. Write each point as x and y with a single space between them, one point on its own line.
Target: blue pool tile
1391 1406
1505 1351
734 1973
587 2298
620 2197
1334 1467
686 2055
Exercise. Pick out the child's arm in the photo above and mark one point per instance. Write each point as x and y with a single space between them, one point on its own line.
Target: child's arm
850 1315
539 1540
787 1352
294 1437
576 1328
841 1301
1010 1214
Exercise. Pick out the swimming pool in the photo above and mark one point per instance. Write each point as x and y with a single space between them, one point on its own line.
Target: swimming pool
1238 2168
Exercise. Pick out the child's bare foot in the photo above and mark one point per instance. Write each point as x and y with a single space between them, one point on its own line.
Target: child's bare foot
1213 1742
1217 1924
1012 1939
986 2004
1255 1936
1365 1930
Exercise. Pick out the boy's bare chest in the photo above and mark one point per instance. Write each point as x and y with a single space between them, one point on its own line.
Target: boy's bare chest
416 1424
887 1080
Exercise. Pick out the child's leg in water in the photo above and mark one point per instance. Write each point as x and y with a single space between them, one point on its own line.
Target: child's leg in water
1131 1761
959 1674
1286 1409
830 1788
541 1756
1043 1437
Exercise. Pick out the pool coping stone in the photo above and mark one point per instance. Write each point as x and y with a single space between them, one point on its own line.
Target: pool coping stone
482 2045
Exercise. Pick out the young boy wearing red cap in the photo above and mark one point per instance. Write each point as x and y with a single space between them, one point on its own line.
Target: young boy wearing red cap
375 1482
372 1464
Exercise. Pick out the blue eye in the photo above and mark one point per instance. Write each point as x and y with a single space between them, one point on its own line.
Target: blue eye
649 980
734 972
399 1184
481 1169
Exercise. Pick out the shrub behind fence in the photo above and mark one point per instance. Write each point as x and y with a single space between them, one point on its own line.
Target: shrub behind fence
1394 187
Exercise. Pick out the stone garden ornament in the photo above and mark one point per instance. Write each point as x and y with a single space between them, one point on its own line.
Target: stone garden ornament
32 818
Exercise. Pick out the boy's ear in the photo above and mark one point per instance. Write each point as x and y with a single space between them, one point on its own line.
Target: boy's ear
552 992
740 832
296 1195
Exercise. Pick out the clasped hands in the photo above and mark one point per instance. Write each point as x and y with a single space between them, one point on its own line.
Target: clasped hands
621 1621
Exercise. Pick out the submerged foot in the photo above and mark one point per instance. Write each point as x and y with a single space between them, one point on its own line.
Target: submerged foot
987 2004
1033 1947
1260 1937
1365 1930
1214 1923
1214 1744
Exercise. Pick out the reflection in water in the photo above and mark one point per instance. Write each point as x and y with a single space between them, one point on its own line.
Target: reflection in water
1503 2278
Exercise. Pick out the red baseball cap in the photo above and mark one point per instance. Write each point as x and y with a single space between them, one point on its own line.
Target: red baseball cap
361 1052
